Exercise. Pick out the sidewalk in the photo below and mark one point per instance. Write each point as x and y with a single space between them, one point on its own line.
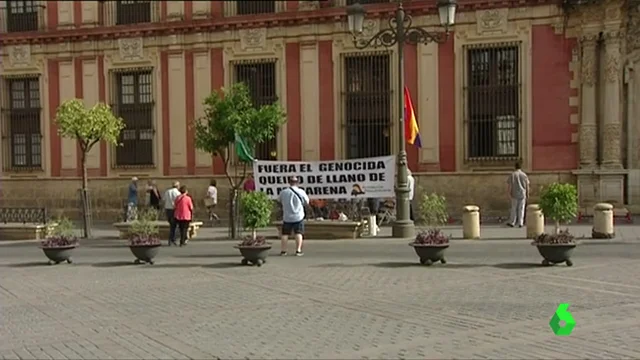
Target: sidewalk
624 233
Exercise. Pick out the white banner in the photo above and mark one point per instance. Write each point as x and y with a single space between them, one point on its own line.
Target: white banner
339 179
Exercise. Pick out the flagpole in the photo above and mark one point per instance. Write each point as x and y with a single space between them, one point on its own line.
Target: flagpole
403 227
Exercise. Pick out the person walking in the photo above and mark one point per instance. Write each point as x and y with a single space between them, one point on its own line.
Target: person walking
132 200
293 200
170 197
518 189
211 200
412 185
183 214
154 195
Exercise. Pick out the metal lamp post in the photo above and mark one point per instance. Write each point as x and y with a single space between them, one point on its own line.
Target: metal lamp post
400 32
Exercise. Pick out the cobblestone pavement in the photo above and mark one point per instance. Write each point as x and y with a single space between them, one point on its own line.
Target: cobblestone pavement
364 299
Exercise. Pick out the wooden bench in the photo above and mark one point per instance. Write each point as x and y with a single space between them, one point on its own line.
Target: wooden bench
329 229
24 223
163 229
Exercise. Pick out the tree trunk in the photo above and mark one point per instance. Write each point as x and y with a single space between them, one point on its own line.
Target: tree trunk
233 205
557 227
254 234
84 196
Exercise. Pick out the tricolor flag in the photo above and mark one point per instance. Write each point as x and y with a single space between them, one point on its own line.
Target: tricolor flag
411 130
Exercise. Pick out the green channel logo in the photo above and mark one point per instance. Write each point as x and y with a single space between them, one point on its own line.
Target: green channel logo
562 314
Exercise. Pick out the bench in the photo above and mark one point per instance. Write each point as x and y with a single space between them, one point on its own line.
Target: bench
163 229
24 223
329 229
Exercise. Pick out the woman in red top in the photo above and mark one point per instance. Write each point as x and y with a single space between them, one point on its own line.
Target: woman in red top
183 212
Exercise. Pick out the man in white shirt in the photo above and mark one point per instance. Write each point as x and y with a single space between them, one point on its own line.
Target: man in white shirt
169 202
412 184
293 200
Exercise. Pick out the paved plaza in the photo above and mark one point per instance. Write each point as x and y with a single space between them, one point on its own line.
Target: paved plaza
359 299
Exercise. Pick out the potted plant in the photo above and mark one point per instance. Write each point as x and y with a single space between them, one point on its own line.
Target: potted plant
431 243
144 242
60 242
256 213
558 202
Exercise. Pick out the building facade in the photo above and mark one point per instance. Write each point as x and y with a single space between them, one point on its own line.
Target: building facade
551 85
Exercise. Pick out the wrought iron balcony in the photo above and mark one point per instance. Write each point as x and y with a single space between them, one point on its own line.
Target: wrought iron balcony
248 7
21 16
113 13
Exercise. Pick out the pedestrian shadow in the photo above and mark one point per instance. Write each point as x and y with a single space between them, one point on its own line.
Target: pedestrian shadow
28 264
111 264
224 265
518 266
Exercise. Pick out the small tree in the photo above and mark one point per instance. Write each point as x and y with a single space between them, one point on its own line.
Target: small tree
559 202
433 210
231 118
88 127
433 213
256 212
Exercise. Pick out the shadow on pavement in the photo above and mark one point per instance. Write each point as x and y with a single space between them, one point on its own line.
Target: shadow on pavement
207 256
395 265
174 265
515 266
28 264
340 265
225 265
114 264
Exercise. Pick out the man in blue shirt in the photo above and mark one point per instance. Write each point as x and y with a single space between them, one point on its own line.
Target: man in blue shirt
293 200
132 200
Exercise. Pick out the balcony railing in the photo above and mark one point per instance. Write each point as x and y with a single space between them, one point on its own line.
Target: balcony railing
21 16
248 7
113 13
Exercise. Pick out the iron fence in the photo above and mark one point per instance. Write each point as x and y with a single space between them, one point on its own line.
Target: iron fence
493 111
366 2
21 16
127 12
133 101
260 78
367 97
255 7
21 124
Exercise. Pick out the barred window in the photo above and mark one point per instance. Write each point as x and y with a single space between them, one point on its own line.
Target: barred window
22 15
260 78
21 131
133 97
133 12
367 105
365 2
249 7
493 102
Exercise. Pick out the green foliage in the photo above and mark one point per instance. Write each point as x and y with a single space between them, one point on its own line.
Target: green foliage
145 225
559 202
256 209
62 227
229 111
88 126
433 210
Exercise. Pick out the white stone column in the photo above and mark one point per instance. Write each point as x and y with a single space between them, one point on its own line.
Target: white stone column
588 99
611 145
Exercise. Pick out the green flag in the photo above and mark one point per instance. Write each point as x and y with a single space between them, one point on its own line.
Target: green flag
244 153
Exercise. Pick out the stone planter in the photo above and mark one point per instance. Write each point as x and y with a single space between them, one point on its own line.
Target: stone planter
556 253
254 255
430 254
144 254
59 254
